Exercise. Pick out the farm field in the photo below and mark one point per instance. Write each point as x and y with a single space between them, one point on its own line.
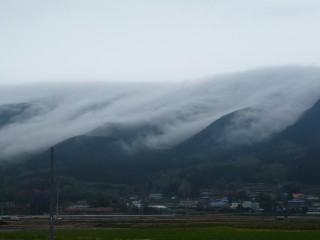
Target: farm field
166 228
221 233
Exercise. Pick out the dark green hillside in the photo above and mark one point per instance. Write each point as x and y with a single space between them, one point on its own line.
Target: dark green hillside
204 158
305 132
298 147
291 155
211 144
112 160
116 156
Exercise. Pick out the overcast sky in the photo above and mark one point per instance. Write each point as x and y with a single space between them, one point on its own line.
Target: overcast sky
149 40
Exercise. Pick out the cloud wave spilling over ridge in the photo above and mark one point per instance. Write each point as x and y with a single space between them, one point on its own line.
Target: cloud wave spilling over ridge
34 117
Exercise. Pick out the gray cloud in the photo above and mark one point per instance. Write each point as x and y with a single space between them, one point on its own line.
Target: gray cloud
277 96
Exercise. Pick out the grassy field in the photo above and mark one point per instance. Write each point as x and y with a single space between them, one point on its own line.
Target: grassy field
219 233
213 227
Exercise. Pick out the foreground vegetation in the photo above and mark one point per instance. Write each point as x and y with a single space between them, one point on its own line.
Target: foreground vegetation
221 233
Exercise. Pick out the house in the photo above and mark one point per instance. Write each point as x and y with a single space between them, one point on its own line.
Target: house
298 196
137 203
234 205
159 207
251 205
189 203
297 205
219 204
155 196
78 205
312 198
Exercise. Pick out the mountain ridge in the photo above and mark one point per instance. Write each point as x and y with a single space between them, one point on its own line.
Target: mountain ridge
111 152
88 165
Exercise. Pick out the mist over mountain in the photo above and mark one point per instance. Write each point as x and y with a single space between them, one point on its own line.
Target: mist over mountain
204 160
113 140
155 116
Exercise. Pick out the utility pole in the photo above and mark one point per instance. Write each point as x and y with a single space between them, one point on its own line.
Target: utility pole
58 187
51 195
